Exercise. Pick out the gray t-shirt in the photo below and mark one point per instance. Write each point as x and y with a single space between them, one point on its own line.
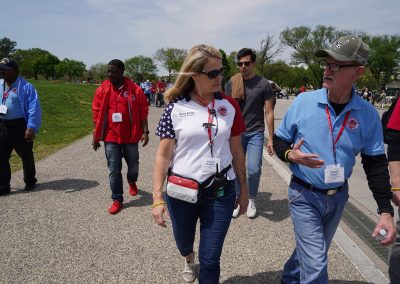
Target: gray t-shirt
257 91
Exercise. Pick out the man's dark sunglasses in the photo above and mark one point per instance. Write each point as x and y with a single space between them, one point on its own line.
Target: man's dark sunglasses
244 63
213 73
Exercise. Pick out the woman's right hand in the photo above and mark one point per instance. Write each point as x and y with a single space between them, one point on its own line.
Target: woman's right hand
159 213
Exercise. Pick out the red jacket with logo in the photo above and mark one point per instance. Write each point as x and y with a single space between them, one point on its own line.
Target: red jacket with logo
137 107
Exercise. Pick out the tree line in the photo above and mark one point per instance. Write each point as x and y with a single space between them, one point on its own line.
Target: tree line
303 68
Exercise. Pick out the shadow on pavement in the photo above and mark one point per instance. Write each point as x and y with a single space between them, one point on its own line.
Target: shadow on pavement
142 199
262 277
67 185
274 210
272 277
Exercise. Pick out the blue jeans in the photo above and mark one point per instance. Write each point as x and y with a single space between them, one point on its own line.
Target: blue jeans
114 154
253 143
215 217
394 259
315 217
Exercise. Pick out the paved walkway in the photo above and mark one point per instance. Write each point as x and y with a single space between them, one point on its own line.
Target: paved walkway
62 233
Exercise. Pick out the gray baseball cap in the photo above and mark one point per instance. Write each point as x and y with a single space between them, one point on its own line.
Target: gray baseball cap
347 48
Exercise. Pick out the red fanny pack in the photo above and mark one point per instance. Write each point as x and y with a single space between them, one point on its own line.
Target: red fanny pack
182 188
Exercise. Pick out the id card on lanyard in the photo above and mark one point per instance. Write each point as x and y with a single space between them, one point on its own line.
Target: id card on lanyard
334 173
3 107
117 116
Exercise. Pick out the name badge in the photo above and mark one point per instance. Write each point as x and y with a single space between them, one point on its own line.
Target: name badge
334 173
117 117
3 109
209 165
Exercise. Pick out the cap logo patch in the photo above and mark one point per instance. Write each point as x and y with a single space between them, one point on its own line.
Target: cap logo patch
339 44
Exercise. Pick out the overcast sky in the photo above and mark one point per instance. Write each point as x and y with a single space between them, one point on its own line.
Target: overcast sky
95 31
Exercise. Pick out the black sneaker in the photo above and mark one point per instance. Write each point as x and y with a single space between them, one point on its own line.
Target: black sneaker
29 187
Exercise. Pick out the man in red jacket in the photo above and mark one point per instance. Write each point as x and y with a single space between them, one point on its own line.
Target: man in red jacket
120 113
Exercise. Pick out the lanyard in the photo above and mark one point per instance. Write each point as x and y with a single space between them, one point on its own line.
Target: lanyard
211 114
334 141
121 90
5 94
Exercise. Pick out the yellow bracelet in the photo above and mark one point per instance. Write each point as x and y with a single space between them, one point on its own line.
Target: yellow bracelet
287 154
395 189
158 204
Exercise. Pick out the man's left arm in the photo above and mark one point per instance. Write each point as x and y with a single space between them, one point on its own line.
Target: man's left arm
33 111
269 118
376 169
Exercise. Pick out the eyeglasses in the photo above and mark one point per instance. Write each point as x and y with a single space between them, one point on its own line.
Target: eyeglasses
244 63
213 73
335 67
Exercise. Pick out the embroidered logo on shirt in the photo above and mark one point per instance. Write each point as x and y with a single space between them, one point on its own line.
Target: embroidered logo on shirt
126 95
186 114
352 123
222 111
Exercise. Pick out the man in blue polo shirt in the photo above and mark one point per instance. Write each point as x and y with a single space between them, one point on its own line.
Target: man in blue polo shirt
321 134
20 120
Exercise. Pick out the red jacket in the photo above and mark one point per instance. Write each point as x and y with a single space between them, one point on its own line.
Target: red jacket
394 120
137 106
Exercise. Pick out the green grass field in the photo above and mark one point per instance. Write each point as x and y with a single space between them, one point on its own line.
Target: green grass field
66 117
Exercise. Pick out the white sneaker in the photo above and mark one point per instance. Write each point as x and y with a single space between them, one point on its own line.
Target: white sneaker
189 271
251 209
235 213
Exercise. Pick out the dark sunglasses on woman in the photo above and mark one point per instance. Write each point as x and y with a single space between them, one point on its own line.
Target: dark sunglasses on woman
213 73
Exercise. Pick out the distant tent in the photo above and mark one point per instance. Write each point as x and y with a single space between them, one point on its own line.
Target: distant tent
393 88
393 85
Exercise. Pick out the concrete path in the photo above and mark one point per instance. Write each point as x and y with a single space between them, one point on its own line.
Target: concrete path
62 232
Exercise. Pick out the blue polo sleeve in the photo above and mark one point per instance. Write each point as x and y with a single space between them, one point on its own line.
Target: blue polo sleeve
287 130
374 136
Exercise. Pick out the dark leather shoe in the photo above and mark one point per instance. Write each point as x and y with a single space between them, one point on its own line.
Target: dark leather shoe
29 187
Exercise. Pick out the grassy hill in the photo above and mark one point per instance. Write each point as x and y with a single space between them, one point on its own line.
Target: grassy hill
66 117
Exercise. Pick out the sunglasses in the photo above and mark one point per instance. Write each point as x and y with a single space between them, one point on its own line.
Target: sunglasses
244 63
213 73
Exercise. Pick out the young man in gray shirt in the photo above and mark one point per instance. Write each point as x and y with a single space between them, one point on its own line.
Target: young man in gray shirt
256 103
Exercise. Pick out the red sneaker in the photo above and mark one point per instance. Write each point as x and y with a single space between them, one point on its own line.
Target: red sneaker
115 207
133 190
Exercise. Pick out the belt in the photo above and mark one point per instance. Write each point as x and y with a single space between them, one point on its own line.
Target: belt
329 191
13 122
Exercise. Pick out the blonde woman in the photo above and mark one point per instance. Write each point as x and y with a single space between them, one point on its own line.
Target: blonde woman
200 152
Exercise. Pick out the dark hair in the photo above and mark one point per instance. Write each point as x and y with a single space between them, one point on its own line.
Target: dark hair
118 63
246 51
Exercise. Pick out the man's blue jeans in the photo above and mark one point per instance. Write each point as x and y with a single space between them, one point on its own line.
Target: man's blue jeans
253 143
315 217
215 217
114 154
